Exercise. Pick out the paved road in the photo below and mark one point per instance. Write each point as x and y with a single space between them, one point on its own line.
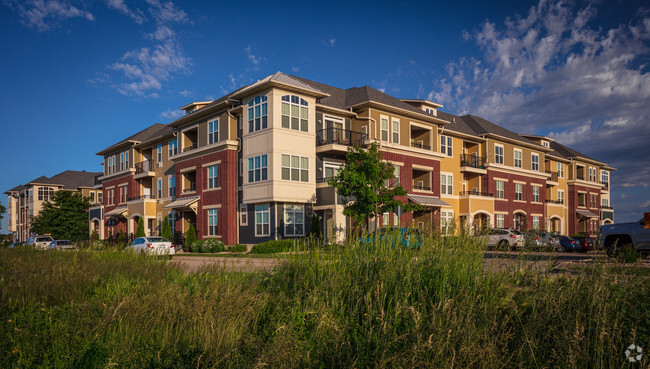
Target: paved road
196 263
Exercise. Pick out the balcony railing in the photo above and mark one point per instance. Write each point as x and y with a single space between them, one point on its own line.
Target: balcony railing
340 136
323 180
472 160
553 175
190 148
605 185
143 167
420 145
141 197
554 202
422 187
192 188
606 207
476 193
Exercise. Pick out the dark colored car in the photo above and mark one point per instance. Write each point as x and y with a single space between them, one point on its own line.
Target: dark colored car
569 244
586 243
405 237
61 245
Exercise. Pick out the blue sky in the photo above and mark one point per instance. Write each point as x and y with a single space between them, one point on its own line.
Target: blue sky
79 75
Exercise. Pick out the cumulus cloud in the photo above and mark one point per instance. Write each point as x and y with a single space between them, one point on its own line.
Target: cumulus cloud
43 15
171 114
119 5
332 42
254 59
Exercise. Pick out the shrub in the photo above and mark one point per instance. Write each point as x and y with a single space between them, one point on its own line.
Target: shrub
628 255
166 231
314 227
237 248
272 247
121 238
140 231
190 237
212 245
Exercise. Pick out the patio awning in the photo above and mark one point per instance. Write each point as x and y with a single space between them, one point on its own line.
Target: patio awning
586 214
184 203
429 201
116 212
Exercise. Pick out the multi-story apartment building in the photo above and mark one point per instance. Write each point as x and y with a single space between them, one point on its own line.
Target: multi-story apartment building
254 164
26 201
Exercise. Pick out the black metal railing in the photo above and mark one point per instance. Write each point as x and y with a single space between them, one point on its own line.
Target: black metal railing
189 148
553 175
476 193
472 160
420 145
606 207
323 180
143 167
421 187
141 197
554 201
340 136
605 185
192 188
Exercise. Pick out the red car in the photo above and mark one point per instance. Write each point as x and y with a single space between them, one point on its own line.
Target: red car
586 243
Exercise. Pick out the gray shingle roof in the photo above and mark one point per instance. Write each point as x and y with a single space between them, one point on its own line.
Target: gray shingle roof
144 135
567 152
483 126
457 124
72 179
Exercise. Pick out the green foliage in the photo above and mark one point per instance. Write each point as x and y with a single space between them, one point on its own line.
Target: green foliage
121 237
209 245
94 236
3 211
190 237
166 230
65 217
628 255
140 231
362 183
314 227
273 246
110 239
237 248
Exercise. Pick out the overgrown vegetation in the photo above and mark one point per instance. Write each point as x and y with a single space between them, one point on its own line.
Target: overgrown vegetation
237 248
273 246
347 307
209 245
65 217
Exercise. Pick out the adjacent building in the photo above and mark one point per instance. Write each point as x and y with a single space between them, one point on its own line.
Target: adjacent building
253 166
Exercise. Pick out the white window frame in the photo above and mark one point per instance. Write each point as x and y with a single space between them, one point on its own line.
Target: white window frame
518 162
446 185
172 146
335 167
498 154
213 222
560 196
384 122
294 216
395 132
257 113
500 220
385 219
604 201
243 215
519 191
535 193
501 192
159 155
534 162
213 176
213 131
447 145
535 222
301 166
604 176
254 168
171 218
260 222
295 109
446 221
159 189
560 170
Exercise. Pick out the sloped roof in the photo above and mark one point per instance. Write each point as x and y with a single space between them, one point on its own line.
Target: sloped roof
72 179
457 124
567 152
483 126
144 135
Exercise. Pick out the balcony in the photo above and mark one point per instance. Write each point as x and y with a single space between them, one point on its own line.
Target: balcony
605 185
476 193
606 207
191 188
420 145
144 169
190 148
323 180
339 136
420 187
472 163
553 180
559 202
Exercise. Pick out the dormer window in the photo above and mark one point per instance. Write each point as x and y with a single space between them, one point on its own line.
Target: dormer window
295 113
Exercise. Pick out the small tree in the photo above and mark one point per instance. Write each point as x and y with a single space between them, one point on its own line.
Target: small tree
121 237
65 217
314 227
166 230
190 237
364 183
140 231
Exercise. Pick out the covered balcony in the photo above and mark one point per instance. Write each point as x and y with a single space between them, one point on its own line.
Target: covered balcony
472 163
339 139
421 180
421 137
144 169
552 181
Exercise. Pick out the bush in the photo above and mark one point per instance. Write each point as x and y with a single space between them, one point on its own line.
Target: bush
272 247
140 231
166 231
237 248
628 255
208 246
190 237
121 238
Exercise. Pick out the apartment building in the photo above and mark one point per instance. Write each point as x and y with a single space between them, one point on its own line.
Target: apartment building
253 166
26 201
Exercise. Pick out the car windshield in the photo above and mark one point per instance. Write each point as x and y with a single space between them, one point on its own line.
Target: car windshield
156 239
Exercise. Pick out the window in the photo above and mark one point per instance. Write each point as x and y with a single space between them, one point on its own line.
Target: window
384 129
46 193
604 202
447 222
535 222
159 187
257 169
395 131
294 216
534 159
498 154
446 184
519 191
173 147
396 170
604 177
295 168
593 200
560 196
159 155
545 143
560 170
100 197
257 110
295 113
518 159
331 169
535 194
501 193
213 131
172 185
501 220
385 218
212 176
446 145
592 174
171 218
395 220
262 225
213 222
243 215
582 199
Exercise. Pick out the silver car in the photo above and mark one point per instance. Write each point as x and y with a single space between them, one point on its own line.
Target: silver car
39 241
543 240
61 245
503 238
152 245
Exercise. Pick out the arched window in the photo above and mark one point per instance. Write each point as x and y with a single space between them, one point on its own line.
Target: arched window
295 113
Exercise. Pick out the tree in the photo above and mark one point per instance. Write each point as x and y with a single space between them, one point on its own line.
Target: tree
314 227
65 217
190 237
166 230
3 211
140 231
364 184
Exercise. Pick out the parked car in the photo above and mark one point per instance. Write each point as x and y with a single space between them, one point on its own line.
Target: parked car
405 237
40 241
586 243
502 238
152 245
634 235
569 244
16 245
542 240
61 245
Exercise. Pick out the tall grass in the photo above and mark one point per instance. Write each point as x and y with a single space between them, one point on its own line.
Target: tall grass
350 306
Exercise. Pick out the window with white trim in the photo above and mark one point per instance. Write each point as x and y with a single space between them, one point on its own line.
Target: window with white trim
560 196
519 158
500 220
519 191
171 181
295 113
395 131
501 193
592 174
213 222
46 193
257 169
534 162
100 197
385 219
498 154
447 184
121 166
535 194
535 222
604 201
295 168
159 155
560 170
213 131
243 215
604 176
331 169
212 176
447 221
159 188
384 129
262 224
257 114
395 220
446 145
172 145
171 218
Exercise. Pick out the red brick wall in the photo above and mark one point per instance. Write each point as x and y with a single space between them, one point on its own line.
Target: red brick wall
131 192
510 205
573 206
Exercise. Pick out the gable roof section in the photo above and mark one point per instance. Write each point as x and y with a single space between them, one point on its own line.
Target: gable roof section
484 127
144 135
567 152
72 179
456 124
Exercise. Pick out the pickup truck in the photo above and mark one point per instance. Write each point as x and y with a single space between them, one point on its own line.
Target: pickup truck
625 235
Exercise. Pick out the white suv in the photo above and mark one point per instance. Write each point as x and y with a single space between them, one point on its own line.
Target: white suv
39 241
503 238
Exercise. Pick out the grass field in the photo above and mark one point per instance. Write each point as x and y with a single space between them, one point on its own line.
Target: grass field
347 307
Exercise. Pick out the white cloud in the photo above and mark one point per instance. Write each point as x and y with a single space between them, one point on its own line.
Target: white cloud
120 5
332 42
46 14
645 204
166 12
255 60
295 69
162 33
185 93
171 114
